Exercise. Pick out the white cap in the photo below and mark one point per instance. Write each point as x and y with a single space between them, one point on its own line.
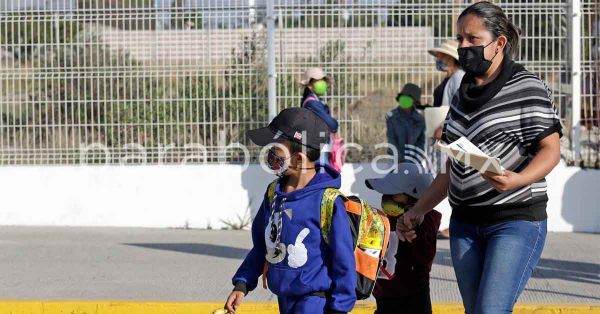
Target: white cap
449 47
314 74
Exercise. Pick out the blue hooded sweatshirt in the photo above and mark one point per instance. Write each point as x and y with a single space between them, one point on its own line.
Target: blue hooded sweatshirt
310 265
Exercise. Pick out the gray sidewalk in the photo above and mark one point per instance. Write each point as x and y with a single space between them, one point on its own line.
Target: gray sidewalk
196 265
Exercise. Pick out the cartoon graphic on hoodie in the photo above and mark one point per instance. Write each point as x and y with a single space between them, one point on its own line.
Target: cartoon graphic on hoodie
313 277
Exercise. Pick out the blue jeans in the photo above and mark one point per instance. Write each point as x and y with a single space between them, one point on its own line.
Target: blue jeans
493 263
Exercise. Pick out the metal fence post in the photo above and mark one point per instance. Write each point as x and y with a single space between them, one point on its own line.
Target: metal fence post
272 83
576 79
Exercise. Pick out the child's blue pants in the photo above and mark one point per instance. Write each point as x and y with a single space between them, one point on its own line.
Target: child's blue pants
308 304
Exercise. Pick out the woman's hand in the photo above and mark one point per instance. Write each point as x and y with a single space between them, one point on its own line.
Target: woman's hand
547 157
508 181
407 223
437 134
233 301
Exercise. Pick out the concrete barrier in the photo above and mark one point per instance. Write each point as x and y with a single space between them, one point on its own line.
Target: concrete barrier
202 196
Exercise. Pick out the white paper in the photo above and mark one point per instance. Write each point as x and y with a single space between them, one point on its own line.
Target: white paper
465 145
434 118
470 155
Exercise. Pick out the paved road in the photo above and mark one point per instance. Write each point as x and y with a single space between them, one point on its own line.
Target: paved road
195 265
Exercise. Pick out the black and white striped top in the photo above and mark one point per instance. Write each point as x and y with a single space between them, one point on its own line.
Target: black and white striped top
507 125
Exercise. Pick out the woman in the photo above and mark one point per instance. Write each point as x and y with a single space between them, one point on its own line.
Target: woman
498 223
315 85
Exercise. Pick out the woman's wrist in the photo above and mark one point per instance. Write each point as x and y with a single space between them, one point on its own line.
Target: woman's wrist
419 210
522 180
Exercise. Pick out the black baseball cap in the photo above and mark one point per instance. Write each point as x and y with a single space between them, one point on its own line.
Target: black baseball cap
293 124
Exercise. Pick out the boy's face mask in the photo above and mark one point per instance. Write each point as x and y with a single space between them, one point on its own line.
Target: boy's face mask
320 87
440 65
278 164
405 101
391 207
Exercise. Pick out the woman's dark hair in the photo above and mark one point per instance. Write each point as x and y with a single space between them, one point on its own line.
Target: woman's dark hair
311 153
306 92
496 21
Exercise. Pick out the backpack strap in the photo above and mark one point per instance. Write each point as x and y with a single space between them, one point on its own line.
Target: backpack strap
329 197
386 239
271 191
307 99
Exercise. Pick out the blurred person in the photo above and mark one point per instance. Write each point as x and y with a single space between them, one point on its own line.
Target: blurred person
446 60
315 85
405 125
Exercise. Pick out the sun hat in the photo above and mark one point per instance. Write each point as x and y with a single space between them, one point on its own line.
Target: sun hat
449 47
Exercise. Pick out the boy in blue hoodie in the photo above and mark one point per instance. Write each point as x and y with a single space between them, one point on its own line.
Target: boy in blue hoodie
306 274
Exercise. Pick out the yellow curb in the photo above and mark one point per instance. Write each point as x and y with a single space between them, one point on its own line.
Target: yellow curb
131 307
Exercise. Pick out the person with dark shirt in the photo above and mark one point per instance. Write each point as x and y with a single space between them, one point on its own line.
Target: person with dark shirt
405 125
446 60
403 283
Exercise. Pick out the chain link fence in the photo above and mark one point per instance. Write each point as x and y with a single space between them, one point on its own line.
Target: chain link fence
174 81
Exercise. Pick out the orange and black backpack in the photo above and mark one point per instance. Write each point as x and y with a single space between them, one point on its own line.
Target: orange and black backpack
370 230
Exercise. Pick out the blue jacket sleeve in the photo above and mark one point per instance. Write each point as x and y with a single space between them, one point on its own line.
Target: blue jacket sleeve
246 277
318 108
343 269
391 136
421 138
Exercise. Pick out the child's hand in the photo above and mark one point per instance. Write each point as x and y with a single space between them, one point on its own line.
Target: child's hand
233 301
409 220
409 235
401 228
406 224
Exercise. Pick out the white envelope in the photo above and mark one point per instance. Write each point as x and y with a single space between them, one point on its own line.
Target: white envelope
470 155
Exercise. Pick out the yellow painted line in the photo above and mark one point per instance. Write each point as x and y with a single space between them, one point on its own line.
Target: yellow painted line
131 307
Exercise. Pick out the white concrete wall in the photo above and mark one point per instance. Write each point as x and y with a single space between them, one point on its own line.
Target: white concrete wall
203 195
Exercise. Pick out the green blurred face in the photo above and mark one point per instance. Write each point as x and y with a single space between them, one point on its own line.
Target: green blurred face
395 205
320 87
390 207
405 102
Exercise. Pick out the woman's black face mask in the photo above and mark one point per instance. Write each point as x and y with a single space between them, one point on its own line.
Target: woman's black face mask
472 59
